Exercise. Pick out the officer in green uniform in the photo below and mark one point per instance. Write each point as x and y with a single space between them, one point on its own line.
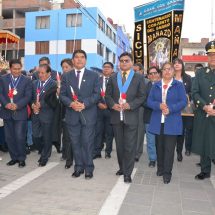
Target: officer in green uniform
203 92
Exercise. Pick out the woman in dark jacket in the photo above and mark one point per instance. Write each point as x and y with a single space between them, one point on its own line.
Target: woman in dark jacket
167 98
181 76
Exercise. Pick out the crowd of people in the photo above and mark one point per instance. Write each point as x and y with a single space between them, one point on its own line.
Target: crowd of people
81 112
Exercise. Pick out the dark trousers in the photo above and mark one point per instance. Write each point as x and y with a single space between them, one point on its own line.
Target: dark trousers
82 138
187 135
67 145
104 130
165 147
140 133
15 136
42 137
205 164
126 143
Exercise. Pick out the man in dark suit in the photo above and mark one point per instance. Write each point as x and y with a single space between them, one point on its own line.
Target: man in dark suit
42 61
124 95
80 94
15 94
45 101
104 129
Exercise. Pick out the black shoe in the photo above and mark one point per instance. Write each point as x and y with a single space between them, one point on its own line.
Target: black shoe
57 146
202 176
159 173
77 174
127 179
136 159
166 181
27 150
42 163
22 164
88 176
12 162
179 157
3 148
107 155
213 161
67 166
119 172
198 164
187 153
97 156
152 164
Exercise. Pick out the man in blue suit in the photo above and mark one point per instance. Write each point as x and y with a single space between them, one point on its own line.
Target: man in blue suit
103 126
45 102
15 94
80 94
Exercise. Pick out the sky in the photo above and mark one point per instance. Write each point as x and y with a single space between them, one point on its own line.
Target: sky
196 23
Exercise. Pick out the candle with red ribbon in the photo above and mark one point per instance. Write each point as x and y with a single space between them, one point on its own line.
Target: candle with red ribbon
122 100
58 79
165 86
38 95
102 93
11 94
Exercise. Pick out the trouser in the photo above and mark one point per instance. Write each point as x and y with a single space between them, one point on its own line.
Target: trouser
205 164
15 136
151 148
82 138
165 147
126 143
140 133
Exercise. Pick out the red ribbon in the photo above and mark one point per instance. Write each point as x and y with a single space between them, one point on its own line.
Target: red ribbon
75 98
102 93
123 96
165 86
10 93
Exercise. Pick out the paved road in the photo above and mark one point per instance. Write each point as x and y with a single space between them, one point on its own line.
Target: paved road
51 190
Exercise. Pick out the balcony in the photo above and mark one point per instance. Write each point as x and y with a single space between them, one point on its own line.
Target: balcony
10 23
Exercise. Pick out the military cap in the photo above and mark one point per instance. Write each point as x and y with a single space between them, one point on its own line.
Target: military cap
210 47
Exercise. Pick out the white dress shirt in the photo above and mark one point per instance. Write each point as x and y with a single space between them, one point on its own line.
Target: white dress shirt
80 75
164 96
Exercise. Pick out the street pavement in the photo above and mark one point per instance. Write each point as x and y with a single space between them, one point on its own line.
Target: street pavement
51 190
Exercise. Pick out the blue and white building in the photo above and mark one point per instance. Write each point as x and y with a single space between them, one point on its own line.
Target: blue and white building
57 33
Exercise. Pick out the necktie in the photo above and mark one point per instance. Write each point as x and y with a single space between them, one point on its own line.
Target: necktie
106 81
123 77
78 77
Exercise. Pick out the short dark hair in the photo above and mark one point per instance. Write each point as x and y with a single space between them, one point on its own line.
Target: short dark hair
15 61
141 67
66 60
198 65
109 63
44 58
126 54
47 67
153 67
79 51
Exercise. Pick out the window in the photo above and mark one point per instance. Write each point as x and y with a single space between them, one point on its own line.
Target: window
108 32
42 47
101 24
74 20
114 37
42 22
72 45
100 48
107 54
123 46
114 58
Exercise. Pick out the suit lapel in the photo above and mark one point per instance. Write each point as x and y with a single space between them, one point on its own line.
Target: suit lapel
74 82
209 75
84 80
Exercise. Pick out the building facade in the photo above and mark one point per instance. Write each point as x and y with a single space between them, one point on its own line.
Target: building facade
57 33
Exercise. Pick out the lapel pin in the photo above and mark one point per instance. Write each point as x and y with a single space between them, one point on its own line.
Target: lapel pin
83 80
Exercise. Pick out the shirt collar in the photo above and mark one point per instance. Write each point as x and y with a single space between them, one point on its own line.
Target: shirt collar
82 70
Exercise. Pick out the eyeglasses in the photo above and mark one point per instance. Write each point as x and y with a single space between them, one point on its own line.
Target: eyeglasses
153 73
211 54
125 61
